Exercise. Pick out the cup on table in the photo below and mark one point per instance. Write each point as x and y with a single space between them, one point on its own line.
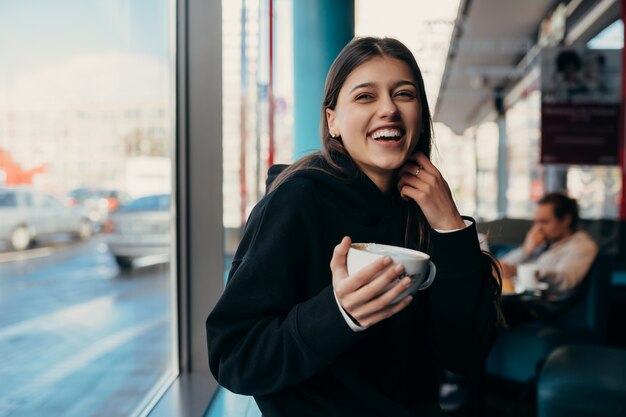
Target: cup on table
417 265
528 275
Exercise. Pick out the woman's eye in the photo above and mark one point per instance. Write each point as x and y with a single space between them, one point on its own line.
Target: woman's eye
408 94
364 96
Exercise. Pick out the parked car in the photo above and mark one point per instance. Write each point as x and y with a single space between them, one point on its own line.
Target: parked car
98 202
28 215
140 229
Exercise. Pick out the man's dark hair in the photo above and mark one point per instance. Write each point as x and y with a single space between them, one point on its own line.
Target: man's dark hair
562 205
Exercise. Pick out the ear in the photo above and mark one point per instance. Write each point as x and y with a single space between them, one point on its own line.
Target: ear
567 220
330 119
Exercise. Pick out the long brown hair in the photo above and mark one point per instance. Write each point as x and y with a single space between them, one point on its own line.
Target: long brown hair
354 54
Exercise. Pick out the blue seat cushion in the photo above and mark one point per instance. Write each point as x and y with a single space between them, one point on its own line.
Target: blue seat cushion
583 380
519 351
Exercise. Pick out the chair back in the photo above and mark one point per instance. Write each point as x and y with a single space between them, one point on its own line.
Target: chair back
590 313
520 350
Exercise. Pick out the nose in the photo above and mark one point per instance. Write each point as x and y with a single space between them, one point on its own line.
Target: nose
387 108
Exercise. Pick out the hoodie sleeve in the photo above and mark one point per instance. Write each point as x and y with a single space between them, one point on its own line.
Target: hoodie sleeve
262 335
462 320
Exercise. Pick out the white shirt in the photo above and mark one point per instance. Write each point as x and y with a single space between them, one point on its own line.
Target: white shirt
565 263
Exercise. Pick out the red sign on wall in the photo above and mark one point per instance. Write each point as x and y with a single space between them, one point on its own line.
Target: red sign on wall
580 134
580 106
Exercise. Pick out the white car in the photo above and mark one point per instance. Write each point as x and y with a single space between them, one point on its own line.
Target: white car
97 202
142 228
28 215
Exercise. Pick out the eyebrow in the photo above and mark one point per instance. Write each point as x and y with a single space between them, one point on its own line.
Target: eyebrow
395 85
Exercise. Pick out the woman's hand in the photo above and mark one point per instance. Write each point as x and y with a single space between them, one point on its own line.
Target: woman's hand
360 294
422 182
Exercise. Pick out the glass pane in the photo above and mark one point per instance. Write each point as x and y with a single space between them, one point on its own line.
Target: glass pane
257 121
597 189
87 122
525 182
486 135
612 37
256 133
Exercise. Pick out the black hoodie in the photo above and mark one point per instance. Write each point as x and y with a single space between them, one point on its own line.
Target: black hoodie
277 332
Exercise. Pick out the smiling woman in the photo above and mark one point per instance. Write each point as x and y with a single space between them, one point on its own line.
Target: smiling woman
378 117
306 339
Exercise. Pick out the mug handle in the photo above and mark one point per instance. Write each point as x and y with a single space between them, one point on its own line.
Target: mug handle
431 277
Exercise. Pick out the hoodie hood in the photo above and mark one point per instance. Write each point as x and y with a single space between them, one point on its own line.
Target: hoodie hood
350 185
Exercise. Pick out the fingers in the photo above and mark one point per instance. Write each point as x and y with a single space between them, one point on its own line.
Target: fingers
374 303
419 180
422 186
372 286
535 231
533 239
338 262
346 283
424 161
352 283
385 313
381 300
421 160
367 294
420 177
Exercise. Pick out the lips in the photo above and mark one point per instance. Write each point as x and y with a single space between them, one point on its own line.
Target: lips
387 134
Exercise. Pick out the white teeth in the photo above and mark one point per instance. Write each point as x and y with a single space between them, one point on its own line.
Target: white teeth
387 133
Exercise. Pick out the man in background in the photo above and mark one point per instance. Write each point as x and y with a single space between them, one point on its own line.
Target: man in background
562 252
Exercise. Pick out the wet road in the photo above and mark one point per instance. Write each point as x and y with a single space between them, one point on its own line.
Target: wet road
77 336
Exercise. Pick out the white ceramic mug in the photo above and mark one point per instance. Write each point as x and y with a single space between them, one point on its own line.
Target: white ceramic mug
417 265
528 275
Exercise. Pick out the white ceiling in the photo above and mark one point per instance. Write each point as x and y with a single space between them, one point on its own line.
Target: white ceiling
492 38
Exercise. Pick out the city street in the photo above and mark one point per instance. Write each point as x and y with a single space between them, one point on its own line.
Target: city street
79 338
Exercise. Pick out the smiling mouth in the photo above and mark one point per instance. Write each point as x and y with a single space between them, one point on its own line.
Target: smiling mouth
387 135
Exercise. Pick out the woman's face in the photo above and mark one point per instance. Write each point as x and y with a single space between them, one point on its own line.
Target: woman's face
378 116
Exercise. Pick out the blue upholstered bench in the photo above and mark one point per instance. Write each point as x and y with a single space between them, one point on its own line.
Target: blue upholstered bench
520 351
583 381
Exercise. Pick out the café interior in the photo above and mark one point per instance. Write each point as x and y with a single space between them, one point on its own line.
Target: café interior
490 99
242 82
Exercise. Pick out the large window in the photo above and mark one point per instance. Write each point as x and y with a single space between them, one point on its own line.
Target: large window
86 226
258 106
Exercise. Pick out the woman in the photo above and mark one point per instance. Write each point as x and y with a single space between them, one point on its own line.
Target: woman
308 340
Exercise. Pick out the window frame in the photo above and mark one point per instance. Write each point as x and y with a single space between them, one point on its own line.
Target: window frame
199 262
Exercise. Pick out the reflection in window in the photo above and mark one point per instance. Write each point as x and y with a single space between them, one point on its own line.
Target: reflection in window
525 183
597 189
247 110
612 37
86 128
487 171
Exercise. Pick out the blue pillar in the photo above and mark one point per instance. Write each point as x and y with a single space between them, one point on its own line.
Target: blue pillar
321 28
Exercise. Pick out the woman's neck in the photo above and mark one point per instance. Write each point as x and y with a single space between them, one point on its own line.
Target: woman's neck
383 182
383 179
